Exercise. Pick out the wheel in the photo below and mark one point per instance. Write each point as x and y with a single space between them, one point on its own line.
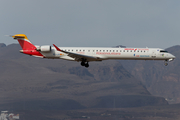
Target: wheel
87 65
165 63
83 63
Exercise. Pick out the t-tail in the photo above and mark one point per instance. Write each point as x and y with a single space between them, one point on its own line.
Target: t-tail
26 45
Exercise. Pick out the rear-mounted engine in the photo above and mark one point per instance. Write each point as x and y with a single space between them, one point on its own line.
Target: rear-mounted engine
45 48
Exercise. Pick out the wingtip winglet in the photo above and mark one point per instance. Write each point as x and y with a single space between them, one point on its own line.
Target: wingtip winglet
56 47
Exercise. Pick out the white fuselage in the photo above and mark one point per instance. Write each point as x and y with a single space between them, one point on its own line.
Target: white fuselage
87 54
111 53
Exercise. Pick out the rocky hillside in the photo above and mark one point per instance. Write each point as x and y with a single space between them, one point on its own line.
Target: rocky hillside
160 80
34 83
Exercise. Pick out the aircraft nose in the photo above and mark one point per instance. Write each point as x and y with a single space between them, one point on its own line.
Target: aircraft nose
172 56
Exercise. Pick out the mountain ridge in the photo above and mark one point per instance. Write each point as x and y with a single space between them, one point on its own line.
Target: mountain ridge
24 78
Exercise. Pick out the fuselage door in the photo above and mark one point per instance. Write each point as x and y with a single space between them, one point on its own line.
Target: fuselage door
166 55
153 54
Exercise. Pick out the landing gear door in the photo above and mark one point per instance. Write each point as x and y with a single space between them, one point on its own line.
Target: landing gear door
153 54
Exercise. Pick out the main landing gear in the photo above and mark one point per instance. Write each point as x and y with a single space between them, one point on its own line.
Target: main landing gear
86 64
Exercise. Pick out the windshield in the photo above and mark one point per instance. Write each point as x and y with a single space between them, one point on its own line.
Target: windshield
163 51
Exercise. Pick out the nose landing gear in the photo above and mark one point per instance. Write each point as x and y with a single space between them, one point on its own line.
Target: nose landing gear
165 62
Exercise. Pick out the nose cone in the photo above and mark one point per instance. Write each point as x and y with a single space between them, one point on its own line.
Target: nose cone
172 56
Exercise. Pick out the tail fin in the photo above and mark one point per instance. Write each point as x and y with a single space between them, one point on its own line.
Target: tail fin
24 42
27 46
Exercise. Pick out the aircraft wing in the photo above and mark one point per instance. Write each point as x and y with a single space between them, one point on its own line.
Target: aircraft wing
78 57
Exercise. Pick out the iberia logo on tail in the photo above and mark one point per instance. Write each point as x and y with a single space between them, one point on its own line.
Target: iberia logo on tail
27 46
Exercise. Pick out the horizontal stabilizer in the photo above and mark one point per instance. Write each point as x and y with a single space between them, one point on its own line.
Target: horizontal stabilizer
18 36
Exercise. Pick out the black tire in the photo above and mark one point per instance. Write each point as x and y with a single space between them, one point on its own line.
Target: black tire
87 65
82 63
165 64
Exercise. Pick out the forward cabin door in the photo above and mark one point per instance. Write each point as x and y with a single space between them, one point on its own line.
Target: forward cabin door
153 54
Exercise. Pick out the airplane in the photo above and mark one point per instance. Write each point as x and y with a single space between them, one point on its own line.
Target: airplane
89 54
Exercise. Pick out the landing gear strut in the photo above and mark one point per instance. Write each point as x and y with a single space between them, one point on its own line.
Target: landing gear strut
165 62
86 64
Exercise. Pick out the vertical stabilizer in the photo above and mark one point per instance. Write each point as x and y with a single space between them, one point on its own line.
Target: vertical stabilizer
24 42
27 46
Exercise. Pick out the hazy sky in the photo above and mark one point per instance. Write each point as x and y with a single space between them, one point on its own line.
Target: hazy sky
92 23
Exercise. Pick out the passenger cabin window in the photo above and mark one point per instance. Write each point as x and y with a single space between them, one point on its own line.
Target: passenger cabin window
163 51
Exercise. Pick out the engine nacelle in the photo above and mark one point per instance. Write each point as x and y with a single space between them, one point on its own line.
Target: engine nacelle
45 48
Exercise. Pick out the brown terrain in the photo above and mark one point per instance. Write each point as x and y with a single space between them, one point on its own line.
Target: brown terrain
29 85
159 80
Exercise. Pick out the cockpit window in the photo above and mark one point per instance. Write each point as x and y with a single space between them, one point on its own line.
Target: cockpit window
163 51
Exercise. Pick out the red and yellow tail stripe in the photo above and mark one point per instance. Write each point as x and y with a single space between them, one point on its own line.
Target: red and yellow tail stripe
27 46
20 36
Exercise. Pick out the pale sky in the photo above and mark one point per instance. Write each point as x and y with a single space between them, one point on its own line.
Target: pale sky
92 23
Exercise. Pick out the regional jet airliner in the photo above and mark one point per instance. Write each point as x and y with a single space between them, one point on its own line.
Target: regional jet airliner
88 54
